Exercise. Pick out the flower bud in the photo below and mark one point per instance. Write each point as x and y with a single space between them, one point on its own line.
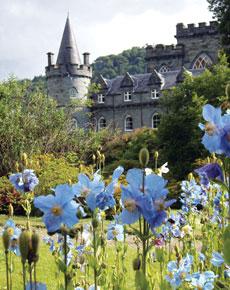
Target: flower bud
136 264
95 223
190 176
35 240
81 260
10 210
25 244
24 159
144 157
17 166
156 155
6 240
94 158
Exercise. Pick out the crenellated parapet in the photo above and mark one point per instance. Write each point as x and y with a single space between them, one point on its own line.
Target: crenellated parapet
193 30
161 50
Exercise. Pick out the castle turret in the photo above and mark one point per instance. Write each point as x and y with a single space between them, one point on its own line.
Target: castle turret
68 79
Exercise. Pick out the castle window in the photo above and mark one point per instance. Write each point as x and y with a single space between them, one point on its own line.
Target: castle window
73 92
127 96
155 94
128 124
101 98
155 120
202 61
163 69
101 123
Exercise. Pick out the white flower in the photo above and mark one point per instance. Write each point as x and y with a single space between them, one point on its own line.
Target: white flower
148 171
163 169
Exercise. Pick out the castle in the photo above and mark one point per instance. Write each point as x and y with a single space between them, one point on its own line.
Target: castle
130 101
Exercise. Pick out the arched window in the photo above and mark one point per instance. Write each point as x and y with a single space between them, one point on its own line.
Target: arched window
163 69
128 124
101 123
73 92
202 61
155 120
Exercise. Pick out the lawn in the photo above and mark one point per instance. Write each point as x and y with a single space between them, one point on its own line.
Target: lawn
46 268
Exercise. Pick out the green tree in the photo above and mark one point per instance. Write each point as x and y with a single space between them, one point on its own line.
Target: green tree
221 11
179 136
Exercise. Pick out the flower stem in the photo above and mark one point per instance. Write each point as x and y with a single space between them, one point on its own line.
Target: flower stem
24 274
95 257
35 275
7 269
65 259
31 280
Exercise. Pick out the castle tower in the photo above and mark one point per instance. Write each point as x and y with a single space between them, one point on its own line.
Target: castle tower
68 79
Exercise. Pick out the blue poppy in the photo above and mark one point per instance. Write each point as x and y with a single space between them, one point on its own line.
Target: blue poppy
217 259
204 280
210 171
25 181
89 189
115 232
14 233
58 209
131 211
37 286
225 138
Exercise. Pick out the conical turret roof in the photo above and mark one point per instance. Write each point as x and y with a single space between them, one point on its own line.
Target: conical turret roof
68 52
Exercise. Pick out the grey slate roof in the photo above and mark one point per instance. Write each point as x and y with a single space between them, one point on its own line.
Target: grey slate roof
68 52
141 81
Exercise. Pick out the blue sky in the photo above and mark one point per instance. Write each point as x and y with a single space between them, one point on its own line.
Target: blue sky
31 28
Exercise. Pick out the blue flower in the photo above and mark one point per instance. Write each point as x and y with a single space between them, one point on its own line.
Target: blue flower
14 233
89 189
212 137
115 232
203 280
38 286
202 257
217 259
217 130
58 209
210 171
25 181
178 272
131 211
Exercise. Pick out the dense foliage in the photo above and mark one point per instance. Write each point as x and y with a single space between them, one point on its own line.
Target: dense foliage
179 135
221 11
131 60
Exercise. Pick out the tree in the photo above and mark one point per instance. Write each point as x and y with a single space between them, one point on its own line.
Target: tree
221 11
178 134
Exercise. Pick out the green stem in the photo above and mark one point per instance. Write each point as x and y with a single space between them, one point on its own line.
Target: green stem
95 257
31 280
11 270
35 275
65 259
7 269
24 274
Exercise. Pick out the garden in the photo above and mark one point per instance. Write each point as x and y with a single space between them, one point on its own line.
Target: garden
100 210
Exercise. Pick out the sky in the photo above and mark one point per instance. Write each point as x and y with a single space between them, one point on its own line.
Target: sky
31 28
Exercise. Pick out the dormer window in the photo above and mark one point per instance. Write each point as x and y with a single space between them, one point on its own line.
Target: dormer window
127 96
155 94
101 98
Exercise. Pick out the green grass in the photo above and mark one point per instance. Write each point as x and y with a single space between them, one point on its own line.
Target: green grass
46 267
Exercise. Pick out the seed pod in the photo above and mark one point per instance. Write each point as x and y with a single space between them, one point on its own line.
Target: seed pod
190 176
81 260
144 157
95 223
136 264
25 244
35 241
6 240
10 210
94 158
17 166
24 159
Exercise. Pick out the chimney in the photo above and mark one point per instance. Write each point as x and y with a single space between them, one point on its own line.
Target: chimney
50 58
86 58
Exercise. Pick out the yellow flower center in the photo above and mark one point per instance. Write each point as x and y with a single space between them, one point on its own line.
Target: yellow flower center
115 233
130 205
10 231
85 191
56 210
160 204
210 128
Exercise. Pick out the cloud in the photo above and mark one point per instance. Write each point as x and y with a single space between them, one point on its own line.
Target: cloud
29 29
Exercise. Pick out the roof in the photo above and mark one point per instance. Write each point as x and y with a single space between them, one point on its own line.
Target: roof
68 52
141 81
